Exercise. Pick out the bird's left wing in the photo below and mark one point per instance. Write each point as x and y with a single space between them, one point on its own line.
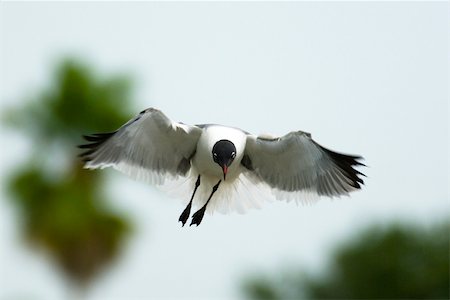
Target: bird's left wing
296 163
149 146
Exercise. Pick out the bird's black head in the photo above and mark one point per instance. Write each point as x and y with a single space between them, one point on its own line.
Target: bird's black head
223 154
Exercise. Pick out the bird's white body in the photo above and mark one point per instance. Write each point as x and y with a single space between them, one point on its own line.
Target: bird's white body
203 162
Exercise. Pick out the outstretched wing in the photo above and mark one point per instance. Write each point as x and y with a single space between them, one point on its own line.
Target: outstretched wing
149 146
296 163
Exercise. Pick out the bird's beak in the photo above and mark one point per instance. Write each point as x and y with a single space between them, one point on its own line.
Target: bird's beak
225 171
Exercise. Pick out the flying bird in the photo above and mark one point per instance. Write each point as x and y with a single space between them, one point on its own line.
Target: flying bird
224 168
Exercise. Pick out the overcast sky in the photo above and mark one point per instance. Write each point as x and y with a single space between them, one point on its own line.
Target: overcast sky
363 78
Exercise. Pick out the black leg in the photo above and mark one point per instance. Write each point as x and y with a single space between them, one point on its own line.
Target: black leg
187 211
198 216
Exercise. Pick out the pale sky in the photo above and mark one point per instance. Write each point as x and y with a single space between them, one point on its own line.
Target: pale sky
363 78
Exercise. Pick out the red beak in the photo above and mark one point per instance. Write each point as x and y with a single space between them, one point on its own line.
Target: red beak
225 170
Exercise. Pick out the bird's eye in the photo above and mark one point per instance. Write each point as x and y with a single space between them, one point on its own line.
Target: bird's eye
215 155
233 154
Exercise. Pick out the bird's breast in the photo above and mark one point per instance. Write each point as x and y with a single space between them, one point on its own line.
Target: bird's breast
203 160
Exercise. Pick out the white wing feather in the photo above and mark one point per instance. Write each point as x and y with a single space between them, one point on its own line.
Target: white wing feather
296 167
150 147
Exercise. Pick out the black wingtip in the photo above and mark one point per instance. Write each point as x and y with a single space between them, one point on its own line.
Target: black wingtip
95 141
347 163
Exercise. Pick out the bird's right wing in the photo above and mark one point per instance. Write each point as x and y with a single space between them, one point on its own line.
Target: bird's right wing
149 146
296 163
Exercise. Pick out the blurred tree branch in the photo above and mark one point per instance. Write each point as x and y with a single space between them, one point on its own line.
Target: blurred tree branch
401 262
64 211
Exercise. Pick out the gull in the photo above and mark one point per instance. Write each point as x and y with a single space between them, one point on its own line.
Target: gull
236 167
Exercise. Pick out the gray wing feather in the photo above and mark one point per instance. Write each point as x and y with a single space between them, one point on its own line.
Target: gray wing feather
149 143
295 162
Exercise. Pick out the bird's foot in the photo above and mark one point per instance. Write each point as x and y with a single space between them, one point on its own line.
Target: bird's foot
198 216
185 214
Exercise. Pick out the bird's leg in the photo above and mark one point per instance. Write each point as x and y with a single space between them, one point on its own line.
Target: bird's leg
198 216
187 211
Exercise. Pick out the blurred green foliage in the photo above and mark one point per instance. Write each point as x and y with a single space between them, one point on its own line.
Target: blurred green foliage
62 206
399 262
